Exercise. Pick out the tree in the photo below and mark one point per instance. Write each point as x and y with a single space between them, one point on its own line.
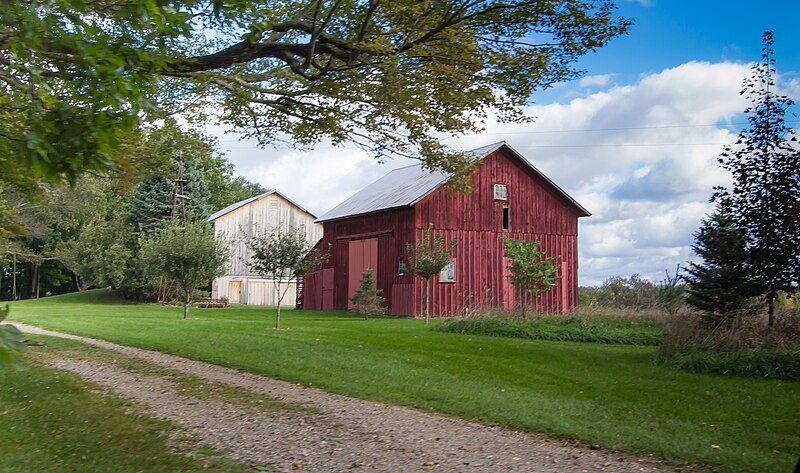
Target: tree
529 269
283 256
428 258
387 75
100 254
367 300
11 342
719 285
151 206
188 256
764 198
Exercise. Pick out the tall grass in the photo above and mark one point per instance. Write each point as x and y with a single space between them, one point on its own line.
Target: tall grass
748 348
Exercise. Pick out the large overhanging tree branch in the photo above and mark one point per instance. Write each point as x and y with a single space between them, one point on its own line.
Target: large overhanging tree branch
389 75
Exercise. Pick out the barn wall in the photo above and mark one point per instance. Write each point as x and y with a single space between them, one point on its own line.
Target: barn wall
260 217
255 291
536 211
392 229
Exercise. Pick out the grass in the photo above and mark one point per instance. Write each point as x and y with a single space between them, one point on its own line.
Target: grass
51 420
598 329
612 395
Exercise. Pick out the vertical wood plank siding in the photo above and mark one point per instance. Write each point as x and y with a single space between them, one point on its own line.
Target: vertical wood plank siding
536 211
257 218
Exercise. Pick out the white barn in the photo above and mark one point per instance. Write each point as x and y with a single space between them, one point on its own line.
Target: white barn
260 215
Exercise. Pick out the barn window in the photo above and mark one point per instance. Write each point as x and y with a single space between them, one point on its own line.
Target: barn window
448 274
505 217
500 192
401 267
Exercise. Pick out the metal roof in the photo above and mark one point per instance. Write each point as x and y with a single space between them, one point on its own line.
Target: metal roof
408 185
242 203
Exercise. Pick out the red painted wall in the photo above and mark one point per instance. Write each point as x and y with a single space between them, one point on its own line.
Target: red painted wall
536 210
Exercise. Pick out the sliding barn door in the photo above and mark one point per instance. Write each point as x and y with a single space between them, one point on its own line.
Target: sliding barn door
361 254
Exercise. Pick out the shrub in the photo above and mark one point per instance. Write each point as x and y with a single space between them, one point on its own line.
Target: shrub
627 331
367 300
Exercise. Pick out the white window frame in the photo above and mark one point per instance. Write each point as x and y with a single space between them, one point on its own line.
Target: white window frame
500 192
448 274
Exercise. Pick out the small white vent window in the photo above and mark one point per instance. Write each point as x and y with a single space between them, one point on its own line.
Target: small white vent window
500 192
448 274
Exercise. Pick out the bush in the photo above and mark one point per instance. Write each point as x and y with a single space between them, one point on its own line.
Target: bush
635 293
627 331
367 301
747 348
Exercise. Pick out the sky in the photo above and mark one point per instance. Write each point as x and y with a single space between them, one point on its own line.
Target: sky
635 140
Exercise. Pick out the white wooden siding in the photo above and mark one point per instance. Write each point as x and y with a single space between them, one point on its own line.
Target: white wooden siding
259 217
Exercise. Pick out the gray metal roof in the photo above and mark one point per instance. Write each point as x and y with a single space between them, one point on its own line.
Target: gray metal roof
242 203
406 186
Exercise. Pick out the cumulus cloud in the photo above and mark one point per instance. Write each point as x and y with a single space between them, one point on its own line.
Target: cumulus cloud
600 80
641 157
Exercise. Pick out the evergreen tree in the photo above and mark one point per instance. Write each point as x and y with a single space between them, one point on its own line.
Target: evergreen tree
151 206
764 199
367 300
719 286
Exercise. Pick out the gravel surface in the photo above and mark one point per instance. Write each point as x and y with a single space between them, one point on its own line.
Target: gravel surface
338 433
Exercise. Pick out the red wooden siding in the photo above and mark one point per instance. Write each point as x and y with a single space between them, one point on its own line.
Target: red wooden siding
536 211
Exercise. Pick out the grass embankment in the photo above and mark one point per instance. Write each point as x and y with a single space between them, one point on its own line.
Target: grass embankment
598 329
612 395
51 420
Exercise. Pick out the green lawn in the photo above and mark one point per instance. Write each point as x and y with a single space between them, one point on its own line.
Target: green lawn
51 420
612 395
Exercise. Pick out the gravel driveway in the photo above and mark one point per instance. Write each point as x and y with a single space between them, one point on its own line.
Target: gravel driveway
334 432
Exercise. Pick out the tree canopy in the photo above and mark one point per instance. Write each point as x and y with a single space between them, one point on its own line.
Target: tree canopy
387 75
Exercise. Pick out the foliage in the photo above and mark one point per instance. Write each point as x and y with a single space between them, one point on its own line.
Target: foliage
428 258
764 198
283 257
188 256
10 342
387 75
621 292
99 255
601 329
529 268
746 347
719 285
610 395
670 293
367 300
151 205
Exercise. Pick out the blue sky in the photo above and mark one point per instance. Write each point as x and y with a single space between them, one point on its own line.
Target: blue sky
635 141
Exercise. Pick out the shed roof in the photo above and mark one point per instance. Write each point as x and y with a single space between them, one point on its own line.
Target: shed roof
242 203
408 185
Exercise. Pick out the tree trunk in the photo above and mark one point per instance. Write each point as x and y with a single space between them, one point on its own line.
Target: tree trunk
34 278
428 300
186 299
14 280
278 316
771 310
522 301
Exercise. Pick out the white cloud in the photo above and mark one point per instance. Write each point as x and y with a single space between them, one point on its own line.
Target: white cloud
644 166
600 80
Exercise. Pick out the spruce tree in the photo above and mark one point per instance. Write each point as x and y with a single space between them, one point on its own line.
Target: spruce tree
151 206
718 286
764 198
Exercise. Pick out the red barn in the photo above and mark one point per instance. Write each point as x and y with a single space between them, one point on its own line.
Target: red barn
510 197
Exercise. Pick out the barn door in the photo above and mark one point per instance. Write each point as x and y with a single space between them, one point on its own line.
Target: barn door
235 292
361 254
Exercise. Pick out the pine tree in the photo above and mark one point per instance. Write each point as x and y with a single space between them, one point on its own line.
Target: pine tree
151 207
367 300
764 199
718 286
